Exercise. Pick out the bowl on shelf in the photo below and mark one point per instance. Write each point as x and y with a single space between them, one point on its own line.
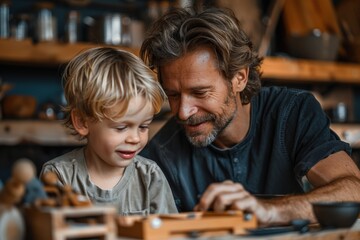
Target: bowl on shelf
315 45
336 214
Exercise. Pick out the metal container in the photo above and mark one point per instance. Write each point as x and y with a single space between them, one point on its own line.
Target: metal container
4 20
336 214
72 27
21 26
46 26
316 45
111 29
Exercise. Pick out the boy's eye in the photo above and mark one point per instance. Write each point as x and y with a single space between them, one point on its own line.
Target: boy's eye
120 128
143 127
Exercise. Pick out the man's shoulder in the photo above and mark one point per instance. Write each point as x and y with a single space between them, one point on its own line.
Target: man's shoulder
280 91
282 96
170 133
169 140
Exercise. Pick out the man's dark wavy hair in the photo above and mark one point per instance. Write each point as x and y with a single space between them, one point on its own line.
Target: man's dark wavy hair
183 30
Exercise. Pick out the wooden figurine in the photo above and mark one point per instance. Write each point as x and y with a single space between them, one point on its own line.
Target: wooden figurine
23 173
12 225
59 195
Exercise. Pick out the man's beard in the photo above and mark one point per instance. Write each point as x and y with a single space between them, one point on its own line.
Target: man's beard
220 122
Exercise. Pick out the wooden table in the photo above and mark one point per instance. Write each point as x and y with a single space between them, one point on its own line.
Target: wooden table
314 234
352 233
58 224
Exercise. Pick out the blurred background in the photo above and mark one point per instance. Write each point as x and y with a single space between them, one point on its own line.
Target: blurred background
313 45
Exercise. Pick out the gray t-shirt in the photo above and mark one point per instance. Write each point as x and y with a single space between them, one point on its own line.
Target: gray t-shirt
142 190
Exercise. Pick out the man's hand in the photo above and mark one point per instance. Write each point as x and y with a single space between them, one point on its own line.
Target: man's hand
229 195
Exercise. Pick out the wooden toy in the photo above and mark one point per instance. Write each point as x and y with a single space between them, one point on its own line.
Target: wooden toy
65 214
159 227
63 223
22 172
59 195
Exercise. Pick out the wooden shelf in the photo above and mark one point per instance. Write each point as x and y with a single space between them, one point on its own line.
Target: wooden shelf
14 132
349 133
44 53
275 68
300 70
51 133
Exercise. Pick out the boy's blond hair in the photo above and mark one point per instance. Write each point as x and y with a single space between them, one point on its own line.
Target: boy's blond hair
98 79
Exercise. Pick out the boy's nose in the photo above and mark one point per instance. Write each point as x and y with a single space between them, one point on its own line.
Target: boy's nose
133 137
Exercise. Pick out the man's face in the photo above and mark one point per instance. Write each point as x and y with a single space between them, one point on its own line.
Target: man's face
200 98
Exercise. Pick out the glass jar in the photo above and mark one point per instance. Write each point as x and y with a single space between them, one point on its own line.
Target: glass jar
72 27
46 27
4 19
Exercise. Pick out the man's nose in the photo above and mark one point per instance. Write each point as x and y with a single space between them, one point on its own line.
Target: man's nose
187 108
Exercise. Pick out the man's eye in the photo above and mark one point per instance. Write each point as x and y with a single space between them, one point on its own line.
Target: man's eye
172 95
200 93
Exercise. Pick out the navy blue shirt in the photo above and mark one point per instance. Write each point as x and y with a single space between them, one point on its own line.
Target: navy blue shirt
289 133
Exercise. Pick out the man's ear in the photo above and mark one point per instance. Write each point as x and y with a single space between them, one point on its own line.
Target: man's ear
79 123
240 80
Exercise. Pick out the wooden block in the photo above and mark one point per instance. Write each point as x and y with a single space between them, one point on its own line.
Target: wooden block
161 227
69 222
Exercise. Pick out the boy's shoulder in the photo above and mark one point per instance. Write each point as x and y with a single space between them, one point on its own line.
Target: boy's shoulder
66 160
145 165
143 161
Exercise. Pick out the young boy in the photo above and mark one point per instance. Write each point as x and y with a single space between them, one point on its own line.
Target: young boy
111 100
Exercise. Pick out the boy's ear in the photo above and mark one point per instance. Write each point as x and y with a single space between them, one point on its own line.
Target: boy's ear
240 80
79 123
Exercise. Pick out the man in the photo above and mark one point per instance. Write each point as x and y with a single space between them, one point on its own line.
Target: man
230 139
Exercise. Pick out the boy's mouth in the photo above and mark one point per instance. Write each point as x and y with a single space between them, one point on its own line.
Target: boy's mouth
126 154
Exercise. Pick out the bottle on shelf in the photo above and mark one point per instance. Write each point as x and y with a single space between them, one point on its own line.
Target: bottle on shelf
4 19
72 27
46 24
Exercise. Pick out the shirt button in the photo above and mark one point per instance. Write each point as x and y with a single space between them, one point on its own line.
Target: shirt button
236 160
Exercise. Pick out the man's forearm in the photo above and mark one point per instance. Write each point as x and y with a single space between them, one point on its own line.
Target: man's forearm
299 206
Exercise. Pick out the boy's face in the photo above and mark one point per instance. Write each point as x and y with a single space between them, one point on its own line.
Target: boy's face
115 144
